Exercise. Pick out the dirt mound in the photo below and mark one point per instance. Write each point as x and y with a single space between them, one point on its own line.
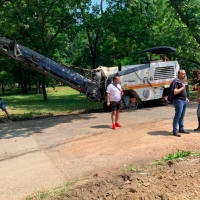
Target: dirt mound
175 180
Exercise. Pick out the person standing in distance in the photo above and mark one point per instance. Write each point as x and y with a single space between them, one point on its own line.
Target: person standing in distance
180 101
3 108
114 93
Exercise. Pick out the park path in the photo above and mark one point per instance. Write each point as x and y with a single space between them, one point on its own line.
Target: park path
40 154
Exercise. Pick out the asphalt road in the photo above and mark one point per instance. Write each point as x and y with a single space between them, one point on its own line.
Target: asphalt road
40 154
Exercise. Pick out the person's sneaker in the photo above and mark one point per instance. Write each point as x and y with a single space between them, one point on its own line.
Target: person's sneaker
197 129
113 126
117 124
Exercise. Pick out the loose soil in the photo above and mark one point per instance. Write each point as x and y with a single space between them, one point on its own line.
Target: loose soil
173 180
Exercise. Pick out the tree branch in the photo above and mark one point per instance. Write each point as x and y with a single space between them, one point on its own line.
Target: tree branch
185 20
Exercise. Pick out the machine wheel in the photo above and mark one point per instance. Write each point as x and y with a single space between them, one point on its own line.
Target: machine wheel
134 106
122 106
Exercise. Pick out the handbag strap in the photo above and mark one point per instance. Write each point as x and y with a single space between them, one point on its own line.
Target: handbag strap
116 87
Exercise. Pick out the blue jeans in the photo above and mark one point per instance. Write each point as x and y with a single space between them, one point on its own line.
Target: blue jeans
180 108
2 105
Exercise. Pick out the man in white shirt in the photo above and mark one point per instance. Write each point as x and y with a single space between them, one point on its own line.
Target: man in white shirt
114 93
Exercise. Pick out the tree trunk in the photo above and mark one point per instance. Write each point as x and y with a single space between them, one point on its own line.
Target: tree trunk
25 86
93 50
2 87
37 87
44 88
29 84
22 86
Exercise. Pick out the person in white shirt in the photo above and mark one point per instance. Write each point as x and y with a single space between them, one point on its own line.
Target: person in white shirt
114 93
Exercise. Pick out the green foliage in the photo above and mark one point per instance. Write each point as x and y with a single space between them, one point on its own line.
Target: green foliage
4 76
174 156
193 95
79 33
132 168
178 155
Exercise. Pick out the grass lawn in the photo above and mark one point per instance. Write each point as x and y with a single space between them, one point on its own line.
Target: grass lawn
61 101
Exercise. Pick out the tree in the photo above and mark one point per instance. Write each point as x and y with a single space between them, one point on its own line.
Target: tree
189 14
39 23
79 33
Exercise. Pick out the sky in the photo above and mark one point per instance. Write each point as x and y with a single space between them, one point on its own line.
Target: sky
98 2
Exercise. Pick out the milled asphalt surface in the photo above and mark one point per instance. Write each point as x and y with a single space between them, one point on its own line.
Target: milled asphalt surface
32 152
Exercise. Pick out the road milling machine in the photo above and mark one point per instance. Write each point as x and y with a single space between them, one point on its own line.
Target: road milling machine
149 81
